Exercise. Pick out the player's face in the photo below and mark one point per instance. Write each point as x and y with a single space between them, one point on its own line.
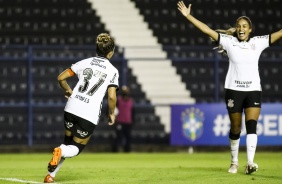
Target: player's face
243 29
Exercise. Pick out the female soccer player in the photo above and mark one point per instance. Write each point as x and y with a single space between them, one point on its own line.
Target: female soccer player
242 83
82 112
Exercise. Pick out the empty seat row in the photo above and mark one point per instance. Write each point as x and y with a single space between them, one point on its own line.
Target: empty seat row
50 27
34 13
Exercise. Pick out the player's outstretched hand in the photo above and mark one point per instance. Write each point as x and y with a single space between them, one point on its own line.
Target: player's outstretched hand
183 9
112 119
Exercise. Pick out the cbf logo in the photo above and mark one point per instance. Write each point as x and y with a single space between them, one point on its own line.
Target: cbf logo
192 123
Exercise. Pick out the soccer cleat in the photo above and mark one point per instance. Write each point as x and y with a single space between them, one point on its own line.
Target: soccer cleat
250 168
233 168
57 154
49 179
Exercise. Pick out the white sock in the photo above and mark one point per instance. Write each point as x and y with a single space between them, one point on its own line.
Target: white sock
53 174
234 147
251 142
69 151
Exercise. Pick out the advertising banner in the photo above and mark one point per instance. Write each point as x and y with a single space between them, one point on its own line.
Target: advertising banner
209 124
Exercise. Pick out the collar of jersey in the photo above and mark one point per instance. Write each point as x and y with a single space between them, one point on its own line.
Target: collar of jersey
102 57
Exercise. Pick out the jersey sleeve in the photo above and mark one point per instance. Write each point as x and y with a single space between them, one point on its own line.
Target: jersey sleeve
76 67
80 65
262 41
224 40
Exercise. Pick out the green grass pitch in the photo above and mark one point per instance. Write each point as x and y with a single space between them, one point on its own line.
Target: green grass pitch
141 168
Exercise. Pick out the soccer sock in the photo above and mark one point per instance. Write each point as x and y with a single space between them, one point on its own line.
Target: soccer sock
53 174
69 150
234 147
251 141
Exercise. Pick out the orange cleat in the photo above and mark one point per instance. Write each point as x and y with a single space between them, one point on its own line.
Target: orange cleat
49 179
57 154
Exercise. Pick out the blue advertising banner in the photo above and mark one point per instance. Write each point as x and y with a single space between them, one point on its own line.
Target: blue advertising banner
209 124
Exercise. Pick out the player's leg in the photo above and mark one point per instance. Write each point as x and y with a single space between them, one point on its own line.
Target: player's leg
234 103
118 138
127 137
234 140
81 136
50 178
252 112
62 152
251 115
77 134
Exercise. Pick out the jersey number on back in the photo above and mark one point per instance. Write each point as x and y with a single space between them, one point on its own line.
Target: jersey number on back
88 73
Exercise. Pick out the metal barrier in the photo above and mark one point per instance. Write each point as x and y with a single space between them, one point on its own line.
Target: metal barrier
33 53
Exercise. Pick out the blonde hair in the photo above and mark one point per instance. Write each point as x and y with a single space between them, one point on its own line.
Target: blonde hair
105 44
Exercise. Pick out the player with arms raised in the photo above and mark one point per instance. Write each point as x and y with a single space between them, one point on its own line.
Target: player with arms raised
242 83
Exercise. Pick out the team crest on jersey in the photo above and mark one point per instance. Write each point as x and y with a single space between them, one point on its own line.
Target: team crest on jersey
68 124
192 123
82 133
230 103
253 46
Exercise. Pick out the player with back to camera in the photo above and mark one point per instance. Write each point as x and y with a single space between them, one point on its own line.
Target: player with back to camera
242 83
96 76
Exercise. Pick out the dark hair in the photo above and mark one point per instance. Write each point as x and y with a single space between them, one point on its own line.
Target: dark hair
104 44
247 19
231 31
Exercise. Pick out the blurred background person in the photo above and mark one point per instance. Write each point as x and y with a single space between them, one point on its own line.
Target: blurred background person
124 121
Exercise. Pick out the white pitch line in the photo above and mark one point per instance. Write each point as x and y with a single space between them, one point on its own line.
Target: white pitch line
18 180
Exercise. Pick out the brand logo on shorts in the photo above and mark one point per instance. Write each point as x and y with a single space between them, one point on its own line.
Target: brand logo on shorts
256 103
68 124
230 103
82 133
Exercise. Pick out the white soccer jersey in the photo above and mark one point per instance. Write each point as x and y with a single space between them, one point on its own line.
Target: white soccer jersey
95 75
243 72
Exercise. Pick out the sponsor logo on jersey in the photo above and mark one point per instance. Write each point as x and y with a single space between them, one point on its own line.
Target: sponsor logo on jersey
96 62
243 84
82 133
192 123
113 79
262 37
226 36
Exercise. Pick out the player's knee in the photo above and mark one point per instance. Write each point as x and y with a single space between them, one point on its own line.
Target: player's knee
79 146
251 126
234 136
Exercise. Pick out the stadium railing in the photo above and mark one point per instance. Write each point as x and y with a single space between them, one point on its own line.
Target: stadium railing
32 53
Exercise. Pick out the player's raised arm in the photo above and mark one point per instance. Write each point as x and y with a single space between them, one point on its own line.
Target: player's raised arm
276 36
200 25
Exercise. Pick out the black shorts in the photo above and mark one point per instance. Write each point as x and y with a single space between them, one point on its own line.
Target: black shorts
236 101
78 126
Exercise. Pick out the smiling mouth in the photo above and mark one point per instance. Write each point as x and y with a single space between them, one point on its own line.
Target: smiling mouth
241 34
